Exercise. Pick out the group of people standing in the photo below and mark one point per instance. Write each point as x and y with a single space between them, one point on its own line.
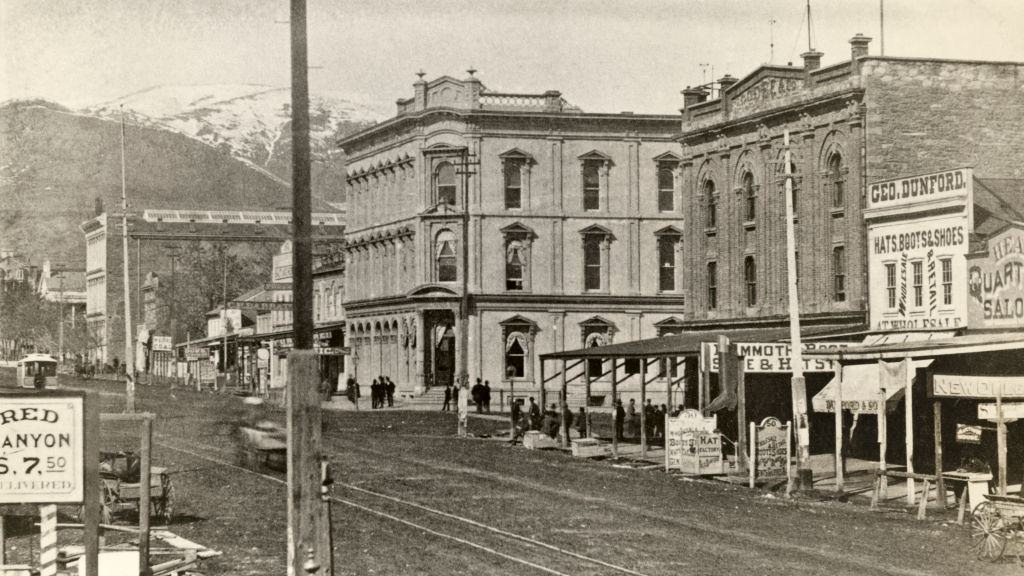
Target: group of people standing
382 391
547 422
480 394
628 420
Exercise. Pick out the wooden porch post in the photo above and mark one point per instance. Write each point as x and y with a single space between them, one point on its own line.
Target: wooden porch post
940 483
565 407
643 408
586 401
615 410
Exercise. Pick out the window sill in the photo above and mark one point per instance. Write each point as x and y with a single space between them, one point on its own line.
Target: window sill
838 212
749 224
711 231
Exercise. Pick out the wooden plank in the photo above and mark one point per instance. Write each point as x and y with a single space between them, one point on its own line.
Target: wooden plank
840 480
643 416
91 450
615 411
908 396
565 405
741 407
145 487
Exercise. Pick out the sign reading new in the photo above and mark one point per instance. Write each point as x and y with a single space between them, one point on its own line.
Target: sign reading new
42 448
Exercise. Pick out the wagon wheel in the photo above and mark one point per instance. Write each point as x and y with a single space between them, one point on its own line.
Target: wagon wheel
988 539
164 507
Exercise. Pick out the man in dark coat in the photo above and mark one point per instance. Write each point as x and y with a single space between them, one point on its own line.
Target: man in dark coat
620 419
390 389
581 422
477 393
447 398
551 421
517 430
485 396
535 416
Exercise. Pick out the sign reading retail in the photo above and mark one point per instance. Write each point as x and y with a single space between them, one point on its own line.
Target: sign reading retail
995 281
693 444
988 387
1011 411
923 188
42 448
777 357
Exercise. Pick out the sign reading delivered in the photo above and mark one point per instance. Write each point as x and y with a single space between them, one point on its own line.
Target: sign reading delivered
42 448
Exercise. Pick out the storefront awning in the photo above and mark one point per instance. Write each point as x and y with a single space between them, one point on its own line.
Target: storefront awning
860 389
967 343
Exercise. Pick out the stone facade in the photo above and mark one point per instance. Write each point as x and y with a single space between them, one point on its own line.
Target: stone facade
564 232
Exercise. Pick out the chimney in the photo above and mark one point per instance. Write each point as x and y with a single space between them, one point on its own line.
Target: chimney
552 101
812 60
693 96
859 46
724 83
420 89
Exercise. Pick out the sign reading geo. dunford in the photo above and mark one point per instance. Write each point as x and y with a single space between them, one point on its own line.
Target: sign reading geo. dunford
923 188
964 386
42 448
995 282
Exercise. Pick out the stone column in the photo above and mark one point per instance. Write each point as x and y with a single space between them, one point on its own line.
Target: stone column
603 182
606 245
524 176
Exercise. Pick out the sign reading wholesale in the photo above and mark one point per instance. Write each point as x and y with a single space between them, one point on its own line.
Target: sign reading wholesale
777 357
916 254
995 281
41 448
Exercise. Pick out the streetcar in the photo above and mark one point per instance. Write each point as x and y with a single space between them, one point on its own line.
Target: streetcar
32 365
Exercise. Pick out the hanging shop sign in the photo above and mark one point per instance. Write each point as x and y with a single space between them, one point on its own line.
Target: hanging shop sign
937 186
995 282
196 353
1011 411
42 458
968 434
161 343
263 358
693 444
917 270
777 357
987 387
769 447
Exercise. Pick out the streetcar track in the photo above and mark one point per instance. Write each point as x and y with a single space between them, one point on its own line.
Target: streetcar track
501 533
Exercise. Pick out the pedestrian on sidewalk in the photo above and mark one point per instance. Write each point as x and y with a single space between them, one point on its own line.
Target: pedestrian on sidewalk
390 392
447 398
659 422
486 396
581 422
649 417
477 394
619 418
631 419
375 394
517 429
455 395
549 426
352 391
535 415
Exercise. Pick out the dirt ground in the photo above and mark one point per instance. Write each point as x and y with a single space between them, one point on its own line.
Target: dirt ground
413 498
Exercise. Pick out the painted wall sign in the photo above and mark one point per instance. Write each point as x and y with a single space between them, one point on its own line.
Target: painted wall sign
963 386
917 270
923 188
1011 410
777 357
995 282
41 448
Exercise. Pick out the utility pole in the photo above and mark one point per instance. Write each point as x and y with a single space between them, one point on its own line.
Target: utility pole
810 43
59 269
466 169
771 35
224 308
129 362
307 507
881 25
798 388
173 252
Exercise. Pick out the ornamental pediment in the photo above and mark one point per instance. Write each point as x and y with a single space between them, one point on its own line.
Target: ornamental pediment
595 155
763 87
516 154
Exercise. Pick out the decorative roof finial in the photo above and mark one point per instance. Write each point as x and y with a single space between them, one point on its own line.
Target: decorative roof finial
471 71
421 74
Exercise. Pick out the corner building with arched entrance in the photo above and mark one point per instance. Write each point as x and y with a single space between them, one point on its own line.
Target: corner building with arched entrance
574 235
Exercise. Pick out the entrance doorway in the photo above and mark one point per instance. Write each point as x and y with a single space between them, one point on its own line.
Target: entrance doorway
439 354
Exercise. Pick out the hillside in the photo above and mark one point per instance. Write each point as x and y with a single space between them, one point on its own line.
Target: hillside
54 164
253 123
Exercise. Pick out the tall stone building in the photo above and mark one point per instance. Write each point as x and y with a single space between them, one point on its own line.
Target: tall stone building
863 120
573 223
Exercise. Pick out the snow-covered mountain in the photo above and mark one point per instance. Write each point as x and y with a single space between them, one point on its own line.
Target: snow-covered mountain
249 121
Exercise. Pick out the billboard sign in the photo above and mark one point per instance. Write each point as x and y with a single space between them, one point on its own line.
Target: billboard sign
995 282
42 439
937 186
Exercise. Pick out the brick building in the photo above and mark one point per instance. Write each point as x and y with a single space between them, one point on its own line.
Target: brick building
863 120
574 233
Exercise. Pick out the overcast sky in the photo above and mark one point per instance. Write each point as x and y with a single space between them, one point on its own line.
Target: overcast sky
603 55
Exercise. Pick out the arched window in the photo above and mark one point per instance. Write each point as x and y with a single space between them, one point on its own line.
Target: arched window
836 179
750 279
513 184
666 189
749 197
591 185
711 205
444 183
516 348
445 255
515 263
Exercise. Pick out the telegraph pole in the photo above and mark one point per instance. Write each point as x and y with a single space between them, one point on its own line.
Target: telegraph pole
307 514
798 387
129 362
466 169
60 345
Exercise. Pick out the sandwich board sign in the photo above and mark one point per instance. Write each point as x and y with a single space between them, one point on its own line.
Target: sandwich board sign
693 444
42 459
769 450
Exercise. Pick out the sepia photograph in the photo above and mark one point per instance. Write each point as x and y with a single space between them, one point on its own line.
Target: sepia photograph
511 287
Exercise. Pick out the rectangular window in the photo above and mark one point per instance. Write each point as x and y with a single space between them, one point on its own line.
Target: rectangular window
750 279
591 185
666 189
839 274
666 264
712 285
890 284
631 366
592 264
918 271
947 281
513 184
514 266
712 212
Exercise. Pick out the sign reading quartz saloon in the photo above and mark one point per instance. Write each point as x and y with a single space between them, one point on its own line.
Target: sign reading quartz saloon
916 255
41 448
996 281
